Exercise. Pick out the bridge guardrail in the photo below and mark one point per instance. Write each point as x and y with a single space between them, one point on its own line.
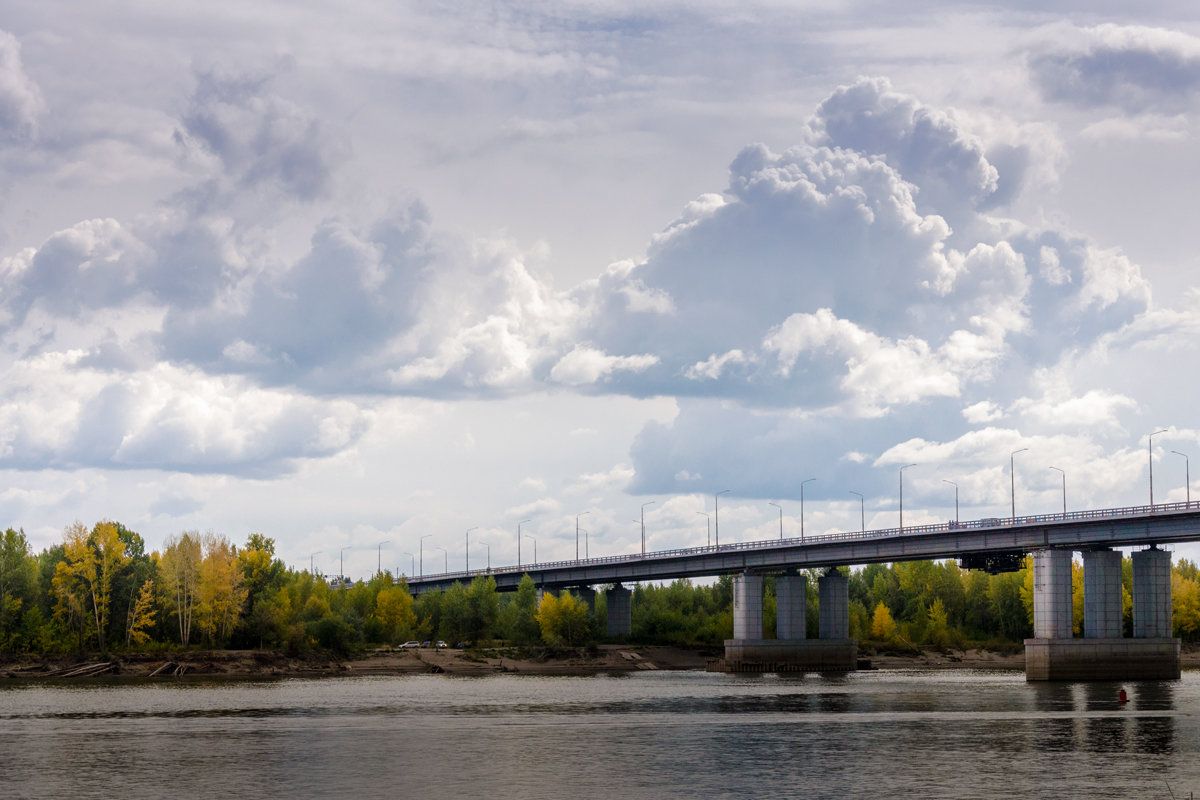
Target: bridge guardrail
837 536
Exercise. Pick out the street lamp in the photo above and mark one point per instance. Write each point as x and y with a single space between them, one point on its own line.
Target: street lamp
1187 476
446 565
527 536
1150 447
648 503
379 556
310 562
467 557
780 518
1064 482
717 514
955 485
806 480
586 553
421 551
577 516
906 466
413 566
708 538
1012 477
489 547
342 566
519 524
862 510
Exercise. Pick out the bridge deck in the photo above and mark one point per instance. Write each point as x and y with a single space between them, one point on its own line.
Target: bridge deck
1080 530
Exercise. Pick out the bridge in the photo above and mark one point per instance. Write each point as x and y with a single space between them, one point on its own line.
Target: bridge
992 543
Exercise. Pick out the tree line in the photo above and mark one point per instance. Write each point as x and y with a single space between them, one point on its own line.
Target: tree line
100 590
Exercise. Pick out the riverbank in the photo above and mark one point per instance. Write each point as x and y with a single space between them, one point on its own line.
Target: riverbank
602 659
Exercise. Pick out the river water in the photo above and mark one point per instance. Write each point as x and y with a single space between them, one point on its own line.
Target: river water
886 734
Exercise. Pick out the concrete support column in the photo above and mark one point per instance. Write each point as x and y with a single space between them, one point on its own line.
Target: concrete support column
1052 594
833 606
1152 594
791 607
1102 595
747 606
588 595
620 611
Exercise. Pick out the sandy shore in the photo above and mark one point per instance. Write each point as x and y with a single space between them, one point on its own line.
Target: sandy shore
604 659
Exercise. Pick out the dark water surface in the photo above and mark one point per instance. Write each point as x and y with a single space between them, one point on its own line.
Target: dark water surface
649 735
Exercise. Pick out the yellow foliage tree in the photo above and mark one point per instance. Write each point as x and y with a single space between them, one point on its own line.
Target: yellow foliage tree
883 627
394 609
563 620
141 616
1185 602
221 591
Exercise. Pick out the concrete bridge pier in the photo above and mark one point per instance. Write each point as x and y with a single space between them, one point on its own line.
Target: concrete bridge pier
791 608
588 595
619 600
792 650
1103 653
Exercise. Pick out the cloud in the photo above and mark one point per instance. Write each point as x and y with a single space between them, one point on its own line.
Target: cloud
1136 69
20 99
924 145
586 365
57 413
264 143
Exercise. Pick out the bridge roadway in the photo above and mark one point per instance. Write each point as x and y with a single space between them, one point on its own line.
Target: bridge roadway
1078 530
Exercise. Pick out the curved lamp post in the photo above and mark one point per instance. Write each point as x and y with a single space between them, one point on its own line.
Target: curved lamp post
780 518
648 503
906 466
528 536
708 517
467 553
955 485
379 556
577 516
1012 477
1150 448
1064 487
421 553
806 480
1187 476
717 514
446 565
862 510
519 524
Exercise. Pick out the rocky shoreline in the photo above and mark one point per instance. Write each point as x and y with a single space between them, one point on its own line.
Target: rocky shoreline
602 659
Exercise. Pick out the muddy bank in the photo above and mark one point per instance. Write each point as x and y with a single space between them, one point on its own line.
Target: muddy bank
603 659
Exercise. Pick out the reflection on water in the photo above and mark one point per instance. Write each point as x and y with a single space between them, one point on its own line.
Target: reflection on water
650 735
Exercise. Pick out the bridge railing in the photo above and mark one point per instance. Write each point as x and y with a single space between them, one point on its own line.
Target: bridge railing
824 538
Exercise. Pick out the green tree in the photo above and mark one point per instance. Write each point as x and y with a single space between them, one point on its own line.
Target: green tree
518 616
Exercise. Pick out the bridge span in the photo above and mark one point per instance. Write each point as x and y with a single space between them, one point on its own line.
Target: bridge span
1104 652
1137 526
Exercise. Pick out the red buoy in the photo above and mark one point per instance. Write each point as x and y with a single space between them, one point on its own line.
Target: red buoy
1122 697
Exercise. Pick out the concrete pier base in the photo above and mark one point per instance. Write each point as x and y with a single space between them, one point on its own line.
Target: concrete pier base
619 601
784 655
1100 659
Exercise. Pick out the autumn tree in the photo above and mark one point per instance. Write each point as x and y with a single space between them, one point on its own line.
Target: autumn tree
883 627
221 591
141 616
563 620
180 570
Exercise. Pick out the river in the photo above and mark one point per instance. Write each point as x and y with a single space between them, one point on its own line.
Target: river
886 734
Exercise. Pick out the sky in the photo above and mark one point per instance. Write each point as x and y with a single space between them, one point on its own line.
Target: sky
384 281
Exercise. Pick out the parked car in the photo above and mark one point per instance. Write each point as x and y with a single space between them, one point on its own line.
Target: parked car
441 644
410 644
425 643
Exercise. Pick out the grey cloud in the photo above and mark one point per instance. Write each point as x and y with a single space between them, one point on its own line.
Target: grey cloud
20 100
1133 68
264 142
